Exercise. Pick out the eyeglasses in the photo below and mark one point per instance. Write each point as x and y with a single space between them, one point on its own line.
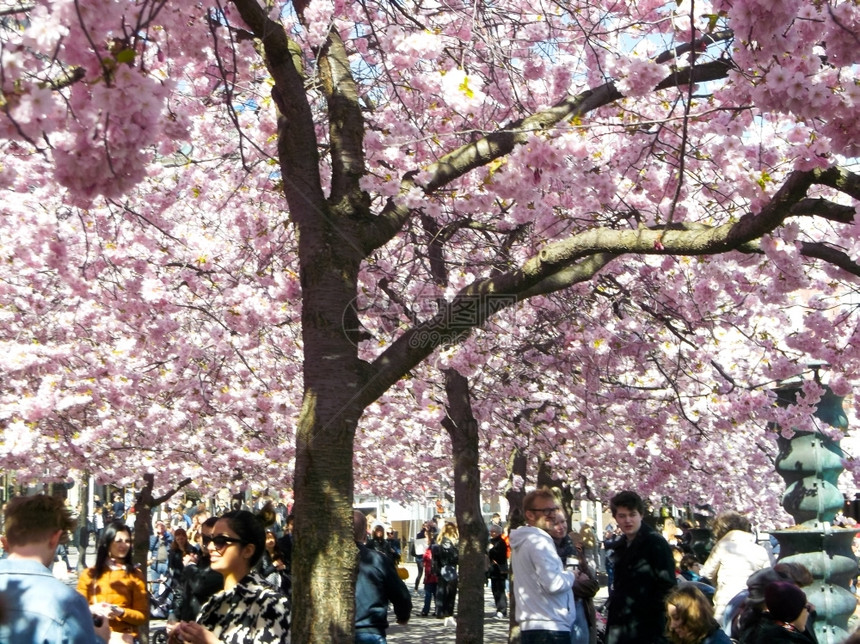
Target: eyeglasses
545 511
220 542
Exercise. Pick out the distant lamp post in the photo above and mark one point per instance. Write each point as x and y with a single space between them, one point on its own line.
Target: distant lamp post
810 464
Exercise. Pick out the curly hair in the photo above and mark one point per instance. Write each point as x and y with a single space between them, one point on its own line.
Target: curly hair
693 613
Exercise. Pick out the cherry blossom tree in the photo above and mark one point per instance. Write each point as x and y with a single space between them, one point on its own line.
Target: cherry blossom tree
668 175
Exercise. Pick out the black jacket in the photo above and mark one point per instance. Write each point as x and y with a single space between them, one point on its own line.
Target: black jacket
378 584
498 556
644 575
773 632
197 584
382 546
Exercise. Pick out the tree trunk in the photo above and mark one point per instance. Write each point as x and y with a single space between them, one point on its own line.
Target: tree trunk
517 466
562 489
463 430
325 555
143 503
83 524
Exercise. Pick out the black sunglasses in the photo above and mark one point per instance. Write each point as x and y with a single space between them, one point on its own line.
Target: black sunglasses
220 541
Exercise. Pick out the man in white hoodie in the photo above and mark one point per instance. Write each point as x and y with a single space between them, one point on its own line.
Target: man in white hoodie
543 589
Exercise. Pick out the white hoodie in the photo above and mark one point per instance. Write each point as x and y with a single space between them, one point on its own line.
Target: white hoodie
542 587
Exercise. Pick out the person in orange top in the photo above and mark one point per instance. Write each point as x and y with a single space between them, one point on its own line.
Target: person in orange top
114 587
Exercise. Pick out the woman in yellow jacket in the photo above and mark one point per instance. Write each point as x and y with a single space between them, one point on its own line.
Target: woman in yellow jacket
114 588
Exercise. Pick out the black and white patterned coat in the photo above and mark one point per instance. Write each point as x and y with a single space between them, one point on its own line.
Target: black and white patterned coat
250 613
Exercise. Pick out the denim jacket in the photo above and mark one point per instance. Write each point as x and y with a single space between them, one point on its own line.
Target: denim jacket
41 608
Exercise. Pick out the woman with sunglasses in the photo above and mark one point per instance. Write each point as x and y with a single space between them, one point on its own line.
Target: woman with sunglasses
247 611
115 589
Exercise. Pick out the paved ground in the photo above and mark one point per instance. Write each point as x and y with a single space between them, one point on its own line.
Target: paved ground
429 630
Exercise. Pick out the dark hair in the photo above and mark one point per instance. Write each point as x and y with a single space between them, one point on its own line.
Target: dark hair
249 528
693 611
267 514
628 500
688 561
208 523
36 518
276 551
103 553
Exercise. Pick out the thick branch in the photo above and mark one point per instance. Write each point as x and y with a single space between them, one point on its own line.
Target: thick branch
831 256
67 79
696 45
169 494
11 11
297 143
346 124
578 258
825 209
570 275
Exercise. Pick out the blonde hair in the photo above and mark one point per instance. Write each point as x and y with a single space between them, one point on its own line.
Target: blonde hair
450 531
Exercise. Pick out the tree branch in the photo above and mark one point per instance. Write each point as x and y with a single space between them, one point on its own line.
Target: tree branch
297 143
167 495
578 258
831 256
497 144
346 124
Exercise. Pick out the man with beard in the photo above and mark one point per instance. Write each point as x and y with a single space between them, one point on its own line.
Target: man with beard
542 587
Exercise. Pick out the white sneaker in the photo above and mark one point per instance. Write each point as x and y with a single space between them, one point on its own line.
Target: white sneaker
499 614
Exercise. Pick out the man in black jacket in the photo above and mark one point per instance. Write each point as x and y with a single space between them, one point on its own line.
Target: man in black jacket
644 575
377 584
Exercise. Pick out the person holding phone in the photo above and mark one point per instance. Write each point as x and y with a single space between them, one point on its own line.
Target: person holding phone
114 588
542 587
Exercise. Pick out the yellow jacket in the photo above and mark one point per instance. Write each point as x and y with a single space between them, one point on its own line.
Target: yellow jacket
126 590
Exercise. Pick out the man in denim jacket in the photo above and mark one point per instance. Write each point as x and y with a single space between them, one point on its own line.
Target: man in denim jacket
37 607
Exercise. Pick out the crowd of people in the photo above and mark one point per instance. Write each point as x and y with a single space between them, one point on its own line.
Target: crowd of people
227 578
221 590
661 589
